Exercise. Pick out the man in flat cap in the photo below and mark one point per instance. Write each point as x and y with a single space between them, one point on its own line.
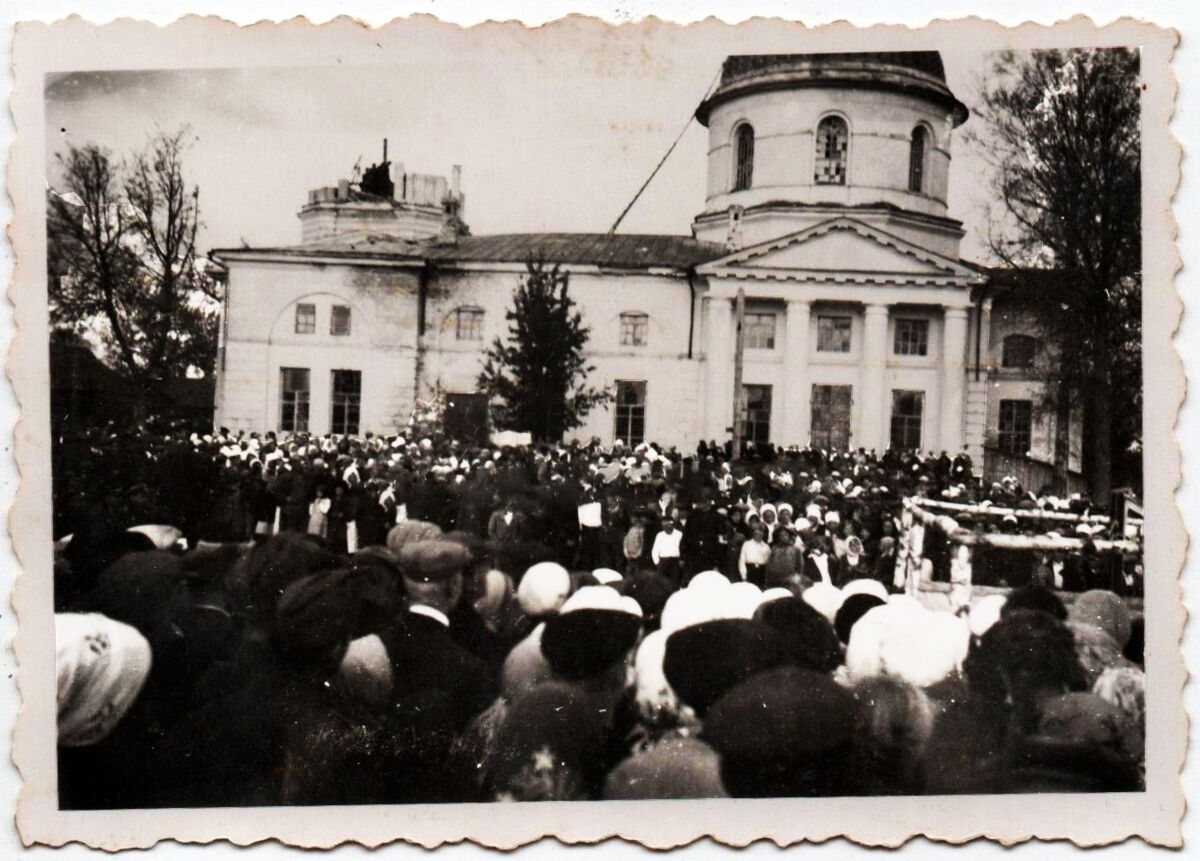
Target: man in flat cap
439 685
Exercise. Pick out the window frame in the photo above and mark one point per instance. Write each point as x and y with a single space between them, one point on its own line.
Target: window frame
468 323
334 313
306 318
907 423
297 401
820 153
1029 341
918 148
758 326
919 347
756 428
348 401
626 414
634 329
743 158
849 329
1008 439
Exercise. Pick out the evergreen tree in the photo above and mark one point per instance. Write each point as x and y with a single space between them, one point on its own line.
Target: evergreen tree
536 377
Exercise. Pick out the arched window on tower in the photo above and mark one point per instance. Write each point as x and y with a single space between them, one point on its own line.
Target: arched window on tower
916 160
833 138
744 141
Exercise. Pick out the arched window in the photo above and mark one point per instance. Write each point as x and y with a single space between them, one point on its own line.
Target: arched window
916 160
1020 351
744 143
833 139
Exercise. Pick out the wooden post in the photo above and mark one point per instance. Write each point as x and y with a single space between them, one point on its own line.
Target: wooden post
739 349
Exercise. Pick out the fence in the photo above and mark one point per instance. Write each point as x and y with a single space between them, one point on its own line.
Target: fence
1032 474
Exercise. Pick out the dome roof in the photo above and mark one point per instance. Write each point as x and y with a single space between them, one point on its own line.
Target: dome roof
917 72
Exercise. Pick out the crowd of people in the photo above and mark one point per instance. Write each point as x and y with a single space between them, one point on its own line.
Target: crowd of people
248 619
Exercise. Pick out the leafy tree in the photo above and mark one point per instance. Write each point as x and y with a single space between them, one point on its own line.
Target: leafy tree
536 377
1062 135
124 273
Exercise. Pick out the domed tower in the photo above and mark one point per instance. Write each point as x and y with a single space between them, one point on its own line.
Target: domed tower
797 139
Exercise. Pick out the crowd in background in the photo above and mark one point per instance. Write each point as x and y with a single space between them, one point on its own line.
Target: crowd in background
383 619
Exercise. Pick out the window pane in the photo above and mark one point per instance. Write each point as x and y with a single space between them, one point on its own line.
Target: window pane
833 334
630 421
908 408
760 331
912 337
634 329
745 158
306 319
1016 427
756 414
339 321
832 141
1020 351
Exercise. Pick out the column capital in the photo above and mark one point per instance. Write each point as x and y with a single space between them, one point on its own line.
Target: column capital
949 311
797 301
877 308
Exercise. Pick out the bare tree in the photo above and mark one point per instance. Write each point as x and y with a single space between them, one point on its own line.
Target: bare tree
1063 139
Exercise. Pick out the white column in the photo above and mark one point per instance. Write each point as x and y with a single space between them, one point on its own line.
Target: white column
796 386
871 401
954 346
718 369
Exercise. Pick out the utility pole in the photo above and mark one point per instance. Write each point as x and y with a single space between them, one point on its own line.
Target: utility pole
738 352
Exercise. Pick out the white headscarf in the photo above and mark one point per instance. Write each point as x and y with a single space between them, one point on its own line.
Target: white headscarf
102 665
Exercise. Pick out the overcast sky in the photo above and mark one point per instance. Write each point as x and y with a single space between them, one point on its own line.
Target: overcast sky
550 139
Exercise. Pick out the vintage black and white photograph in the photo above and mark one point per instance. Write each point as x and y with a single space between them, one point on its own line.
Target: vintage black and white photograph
625 417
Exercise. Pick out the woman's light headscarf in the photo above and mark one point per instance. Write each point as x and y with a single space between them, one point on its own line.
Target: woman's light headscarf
102 665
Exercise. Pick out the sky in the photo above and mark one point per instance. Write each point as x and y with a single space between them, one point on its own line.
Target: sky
550 138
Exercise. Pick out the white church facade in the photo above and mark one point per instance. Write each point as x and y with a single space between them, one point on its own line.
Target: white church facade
826 206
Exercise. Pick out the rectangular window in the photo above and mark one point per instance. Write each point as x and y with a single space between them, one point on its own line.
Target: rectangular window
634 330
908 408
1016 427
831 407
339 321
833 334
306 319
293 399
344 406
468 324
756 414
631 411
760 331
912 337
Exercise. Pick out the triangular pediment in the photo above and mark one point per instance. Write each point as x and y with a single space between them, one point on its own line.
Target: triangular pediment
842 247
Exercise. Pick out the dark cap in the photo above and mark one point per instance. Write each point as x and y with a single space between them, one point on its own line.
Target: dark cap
433 560
704 661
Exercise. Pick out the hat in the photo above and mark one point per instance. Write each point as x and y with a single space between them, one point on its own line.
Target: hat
853 609
543 589
703 661
433 560
1106 611
865 586
676 767
906 641
825 598
808 638
411 530
101 666
592 632
651 590
785 732
607 576
525 667
986 612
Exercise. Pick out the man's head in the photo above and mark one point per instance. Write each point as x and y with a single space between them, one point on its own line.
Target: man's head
433 572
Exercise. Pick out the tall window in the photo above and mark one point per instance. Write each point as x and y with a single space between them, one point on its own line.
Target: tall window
912 337
833 138
1020 351
306 319
833 334
468 324
631 411
635 328
916 160
339 320
293 399
907 411
760 331
756 414
1016 427
345 401
744 142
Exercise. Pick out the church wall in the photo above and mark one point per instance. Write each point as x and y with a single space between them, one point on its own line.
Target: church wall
785 124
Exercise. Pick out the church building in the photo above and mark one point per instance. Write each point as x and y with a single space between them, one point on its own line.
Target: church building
826 206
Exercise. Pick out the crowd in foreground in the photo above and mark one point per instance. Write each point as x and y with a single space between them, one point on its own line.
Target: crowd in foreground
383 621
